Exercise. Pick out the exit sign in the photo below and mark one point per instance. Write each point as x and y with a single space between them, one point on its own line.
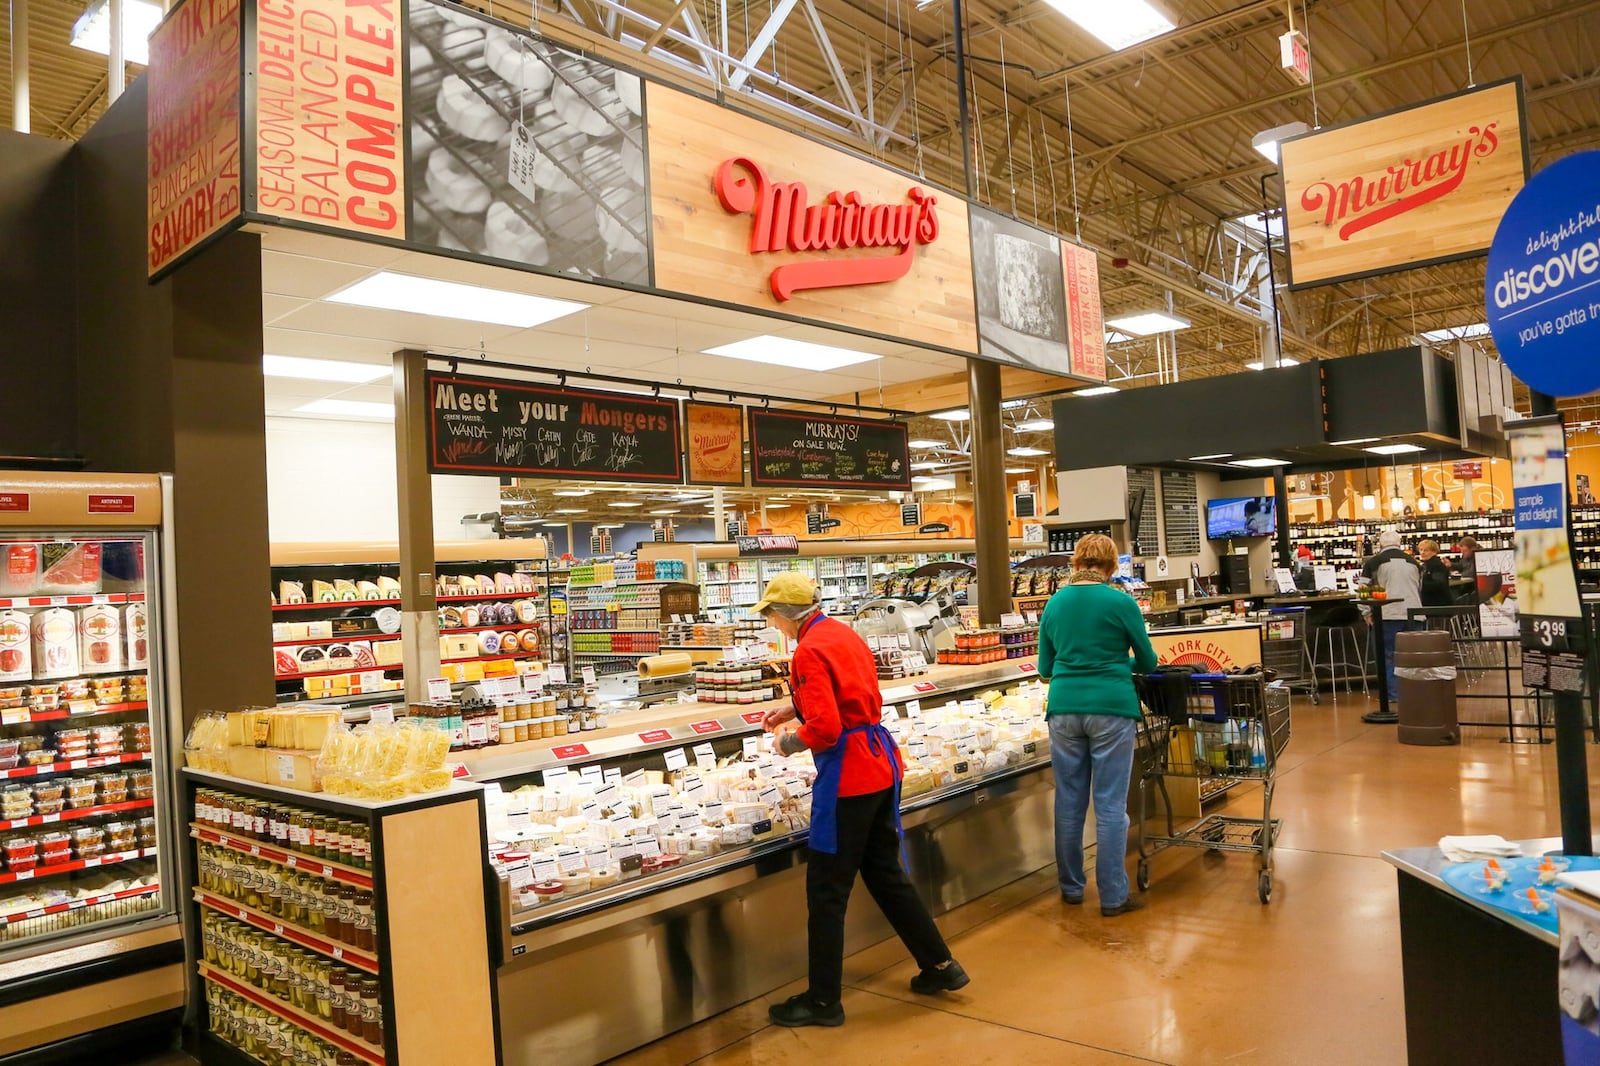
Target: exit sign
1295 56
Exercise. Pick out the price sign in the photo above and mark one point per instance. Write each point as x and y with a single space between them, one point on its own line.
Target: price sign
925 687
705 757
558 673
591 775
655 736
752 747
677 759
613 775
438 690
546 870
15 717
1028 668
754 717
570 751
708 726
555 776
914 709
648 847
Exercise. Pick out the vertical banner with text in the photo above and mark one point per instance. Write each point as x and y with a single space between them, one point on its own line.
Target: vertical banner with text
714 435
1551 609
194 119
1086 325
329 121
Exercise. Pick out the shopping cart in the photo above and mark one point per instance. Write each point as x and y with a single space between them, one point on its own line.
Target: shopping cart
1215 726
1284 651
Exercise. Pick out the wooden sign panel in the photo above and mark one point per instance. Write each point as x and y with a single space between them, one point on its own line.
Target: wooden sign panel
825 451
885 254
494 426
714 442
193 111
1425 184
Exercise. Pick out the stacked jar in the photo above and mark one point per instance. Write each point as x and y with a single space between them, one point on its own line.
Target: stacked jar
340 912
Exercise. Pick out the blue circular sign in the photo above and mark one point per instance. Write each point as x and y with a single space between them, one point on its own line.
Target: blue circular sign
1543 286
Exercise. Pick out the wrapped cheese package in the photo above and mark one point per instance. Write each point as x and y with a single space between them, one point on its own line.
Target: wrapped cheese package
291 592
389 588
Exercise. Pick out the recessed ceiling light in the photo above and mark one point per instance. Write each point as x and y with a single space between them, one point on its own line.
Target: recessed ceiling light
1019 470
1393 449
923 445
1203 458
347 409
785 351
1266 142
1354 440
933 484
669 511
1149 322
290 366
573 492
388 291
1118 25
1097 390
953 416
1283 360
1037 425
92 31
624 503
927 464
1477 329
569 510
1259 462
1026 451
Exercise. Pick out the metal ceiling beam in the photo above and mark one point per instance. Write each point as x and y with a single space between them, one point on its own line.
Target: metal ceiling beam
762 41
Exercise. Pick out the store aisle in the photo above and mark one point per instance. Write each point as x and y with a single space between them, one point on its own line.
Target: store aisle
1205 974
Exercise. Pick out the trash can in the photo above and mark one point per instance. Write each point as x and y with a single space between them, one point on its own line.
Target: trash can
1425 665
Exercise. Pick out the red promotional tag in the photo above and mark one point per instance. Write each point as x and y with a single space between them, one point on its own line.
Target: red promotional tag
99 504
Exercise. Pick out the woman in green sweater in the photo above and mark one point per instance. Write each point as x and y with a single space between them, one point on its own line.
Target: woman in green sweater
1085 637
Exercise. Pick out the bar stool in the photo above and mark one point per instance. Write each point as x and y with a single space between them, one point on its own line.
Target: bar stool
1338 649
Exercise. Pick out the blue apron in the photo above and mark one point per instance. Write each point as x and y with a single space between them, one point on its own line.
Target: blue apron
824 836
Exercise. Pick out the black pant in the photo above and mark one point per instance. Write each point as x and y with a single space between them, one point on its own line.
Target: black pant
866 843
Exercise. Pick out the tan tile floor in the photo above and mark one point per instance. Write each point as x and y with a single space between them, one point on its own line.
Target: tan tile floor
1205 974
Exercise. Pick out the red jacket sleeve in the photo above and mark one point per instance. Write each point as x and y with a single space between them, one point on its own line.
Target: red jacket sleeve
815 696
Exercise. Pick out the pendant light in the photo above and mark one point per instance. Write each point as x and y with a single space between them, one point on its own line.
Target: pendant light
1423 503
1444 505
1369 501
1397 503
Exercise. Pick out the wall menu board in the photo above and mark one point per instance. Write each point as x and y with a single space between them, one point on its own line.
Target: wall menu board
827 451
494 426
193 113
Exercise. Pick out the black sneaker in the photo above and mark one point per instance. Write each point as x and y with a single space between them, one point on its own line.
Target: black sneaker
802 1010
932 982
1127 906
1074 900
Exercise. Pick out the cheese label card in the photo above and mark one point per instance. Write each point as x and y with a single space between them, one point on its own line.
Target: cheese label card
533 684
546 870
770 796
590 775
590 811
677 759
606 795
688 819
705 757
571 864
381 714
518 819
712 811
622 849
555 776
438 690
648 847
637 779
914 709
613 775
693 791
918 749
521 876
752 747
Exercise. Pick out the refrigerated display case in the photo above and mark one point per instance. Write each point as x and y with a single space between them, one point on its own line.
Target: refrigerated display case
87 692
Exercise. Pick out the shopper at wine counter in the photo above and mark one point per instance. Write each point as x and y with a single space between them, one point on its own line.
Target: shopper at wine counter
855 802
1435 585
1401 579
1085 635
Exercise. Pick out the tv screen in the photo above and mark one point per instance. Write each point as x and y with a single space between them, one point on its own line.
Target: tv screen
1245 516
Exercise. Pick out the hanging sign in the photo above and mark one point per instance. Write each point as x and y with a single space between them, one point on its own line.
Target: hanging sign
828 451
1086 323
934 527
1425 184
911 514
196 56
1550 609
329 115
1543 279
782 544
1468 471
494 426
714 441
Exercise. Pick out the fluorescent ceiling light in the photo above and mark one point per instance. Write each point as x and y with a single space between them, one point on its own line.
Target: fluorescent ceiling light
1354 440
773 506
569 510
1259 462
388 291
933 484
561 525
691 497
573 492
624 503
922 445
1149 322
289 366
1113 337
1393 449
1026 451
927 464
1097 390
609 525
1203 458
669 511
1266 142
1477 329
953 416
1019 470
1283 360
1037 425
347 409
1119 24
92 31
784 351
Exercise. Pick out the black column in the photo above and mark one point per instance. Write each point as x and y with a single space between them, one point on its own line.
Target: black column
1280 492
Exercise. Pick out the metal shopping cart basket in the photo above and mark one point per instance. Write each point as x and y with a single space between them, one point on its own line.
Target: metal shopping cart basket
1215 726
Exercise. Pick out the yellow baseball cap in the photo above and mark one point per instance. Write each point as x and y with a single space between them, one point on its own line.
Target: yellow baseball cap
790 588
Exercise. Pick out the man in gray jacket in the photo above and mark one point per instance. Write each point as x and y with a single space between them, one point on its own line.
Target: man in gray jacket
1401 579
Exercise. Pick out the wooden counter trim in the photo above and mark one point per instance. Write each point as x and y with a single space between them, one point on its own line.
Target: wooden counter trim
381 553
62 499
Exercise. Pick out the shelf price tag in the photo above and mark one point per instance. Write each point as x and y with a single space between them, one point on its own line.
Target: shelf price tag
914 709
439 690
15 717
752 747
555 776
558 673
705 757
590 775
588 676
612 775
677 759
1028 668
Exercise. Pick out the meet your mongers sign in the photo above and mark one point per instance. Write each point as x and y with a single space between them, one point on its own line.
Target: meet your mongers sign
494 426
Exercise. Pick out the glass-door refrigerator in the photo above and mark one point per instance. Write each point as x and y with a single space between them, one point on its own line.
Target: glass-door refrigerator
86 681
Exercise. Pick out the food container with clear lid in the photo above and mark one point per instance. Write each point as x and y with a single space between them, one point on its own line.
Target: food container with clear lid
55 848
121 836
80 792
147 832
88 841
141 785
21 853
16 801
113 787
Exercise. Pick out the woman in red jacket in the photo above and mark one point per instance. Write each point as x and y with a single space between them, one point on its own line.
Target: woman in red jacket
855 802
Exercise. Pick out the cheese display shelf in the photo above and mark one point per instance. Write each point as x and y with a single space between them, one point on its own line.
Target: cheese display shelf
698 902
337 622
302 944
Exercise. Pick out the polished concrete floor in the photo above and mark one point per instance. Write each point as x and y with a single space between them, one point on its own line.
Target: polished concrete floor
1205 974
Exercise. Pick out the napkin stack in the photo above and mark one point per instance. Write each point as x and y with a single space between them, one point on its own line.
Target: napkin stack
1466 849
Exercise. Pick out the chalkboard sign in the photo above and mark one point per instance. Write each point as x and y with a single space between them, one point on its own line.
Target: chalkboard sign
828 451
781 544
494 426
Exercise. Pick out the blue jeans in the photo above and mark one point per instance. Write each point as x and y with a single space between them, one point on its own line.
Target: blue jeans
1092 754
1392 628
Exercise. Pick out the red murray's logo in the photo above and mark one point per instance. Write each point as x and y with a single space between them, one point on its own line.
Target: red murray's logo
783 221
1366 200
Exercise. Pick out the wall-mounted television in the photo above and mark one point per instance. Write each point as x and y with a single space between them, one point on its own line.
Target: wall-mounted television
1243 516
